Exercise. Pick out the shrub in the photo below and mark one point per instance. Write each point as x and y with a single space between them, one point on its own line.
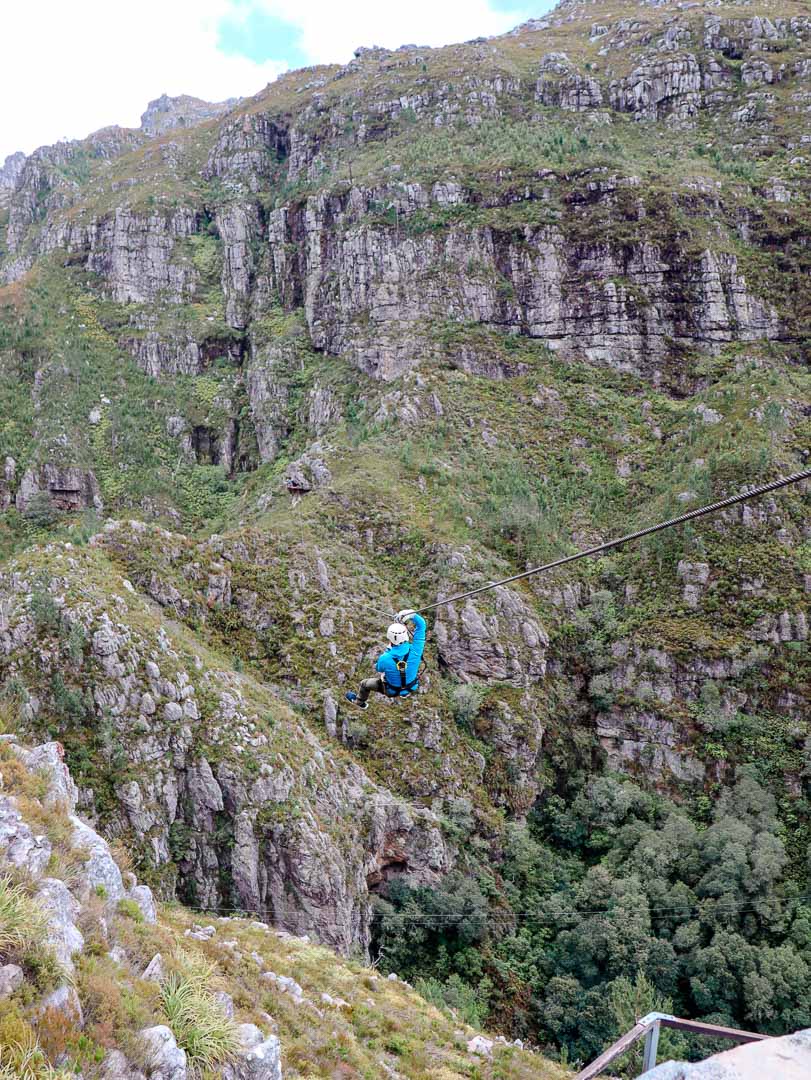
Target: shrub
41 512
466 701
45 611
198 1022
469 1003
21 1057
113 1010
357 734
122 856
56 1032
130 909
22 921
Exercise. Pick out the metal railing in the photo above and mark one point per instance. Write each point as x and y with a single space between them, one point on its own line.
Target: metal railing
649 1027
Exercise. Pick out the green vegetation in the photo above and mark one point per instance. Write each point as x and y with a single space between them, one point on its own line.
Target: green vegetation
22 922
27 1061
612 894
198 1022
580 897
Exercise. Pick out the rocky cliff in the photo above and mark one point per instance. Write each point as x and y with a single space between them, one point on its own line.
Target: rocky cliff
92 974
379 334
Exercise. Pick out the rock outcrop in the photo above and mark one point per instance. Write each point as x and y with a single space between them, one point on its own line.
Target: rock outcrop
229 1035
165 113
624 309
10 172
64 488
224 831
788 1057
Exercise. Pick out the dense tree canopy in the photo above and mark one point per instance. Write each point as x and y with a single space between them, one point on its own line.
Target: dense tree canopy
612 903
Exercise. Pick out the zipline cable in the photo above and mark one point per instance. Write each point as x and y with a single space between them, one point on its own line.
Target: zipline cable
704 907
691 515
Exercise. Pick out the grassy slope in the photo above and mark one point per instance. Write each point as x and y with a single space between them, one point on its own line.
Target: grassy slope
380 1024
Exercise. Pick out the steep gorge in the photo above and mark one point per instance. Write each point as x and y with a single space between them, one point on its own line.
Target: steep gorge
388 330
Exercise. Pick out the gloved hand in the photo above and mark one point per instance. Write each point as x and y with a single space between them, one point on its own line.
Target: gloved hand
405 615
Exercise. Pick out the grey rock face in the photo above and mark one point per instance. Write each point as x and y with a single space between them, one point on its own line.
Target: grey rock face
61 910
10 172
153 971
165 1060
100 869
116 1067
308 472
164 354
44 186
258 1059
660 89
49 760
19 845
248 149
64 1000
134 252
238 224
142 895
165 113
787 1057
695 577
66 487
370 290
509 644
561 86
269 395
226 1003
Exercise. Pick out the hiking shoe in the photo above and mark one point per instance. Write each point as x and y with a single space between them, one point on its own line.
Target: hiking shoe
353 697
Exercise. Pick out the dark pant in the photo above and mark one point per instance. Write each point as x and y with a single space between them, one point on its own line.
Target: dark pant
370 686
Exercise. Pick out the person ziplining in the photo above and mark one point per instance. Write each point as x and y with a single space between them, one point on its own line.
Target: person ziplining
398 667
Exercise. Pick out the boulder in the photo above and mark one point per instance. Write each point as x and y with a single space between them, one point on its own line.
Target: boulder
49 760
61 910
258 1059
163 1057
11 979
226 1003
19 845
154 969
481 1046
142 895
116 1067
787 1057
67 488
100 870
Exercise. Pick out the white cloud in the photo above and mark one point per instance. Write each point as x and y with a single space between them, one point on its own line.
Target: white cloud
331 31
69 67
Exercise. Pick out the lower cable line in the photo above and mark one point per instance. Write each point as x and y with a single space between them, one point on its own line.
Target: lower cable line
537 915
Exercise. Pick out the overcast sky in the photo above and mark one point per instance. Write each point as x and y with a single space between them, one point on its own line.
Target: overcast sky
69 67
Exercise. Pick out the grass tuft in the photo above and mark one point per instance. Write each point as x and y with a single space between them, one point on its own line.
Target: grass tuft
26 1061
198 1022
22 921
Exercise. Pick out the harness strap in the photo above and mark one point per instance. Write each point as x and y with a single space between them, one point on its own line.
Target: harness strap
404 687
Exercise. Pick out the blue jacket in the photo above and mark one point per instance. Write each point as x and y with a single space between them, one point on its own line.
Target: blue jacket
387 663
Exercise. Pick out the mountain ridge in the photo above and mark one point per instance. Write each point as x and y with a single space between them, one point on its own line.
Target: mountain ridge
394 329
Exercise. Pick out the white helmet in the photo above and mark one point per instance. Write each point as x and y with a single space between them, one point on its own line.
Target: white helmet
397 634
